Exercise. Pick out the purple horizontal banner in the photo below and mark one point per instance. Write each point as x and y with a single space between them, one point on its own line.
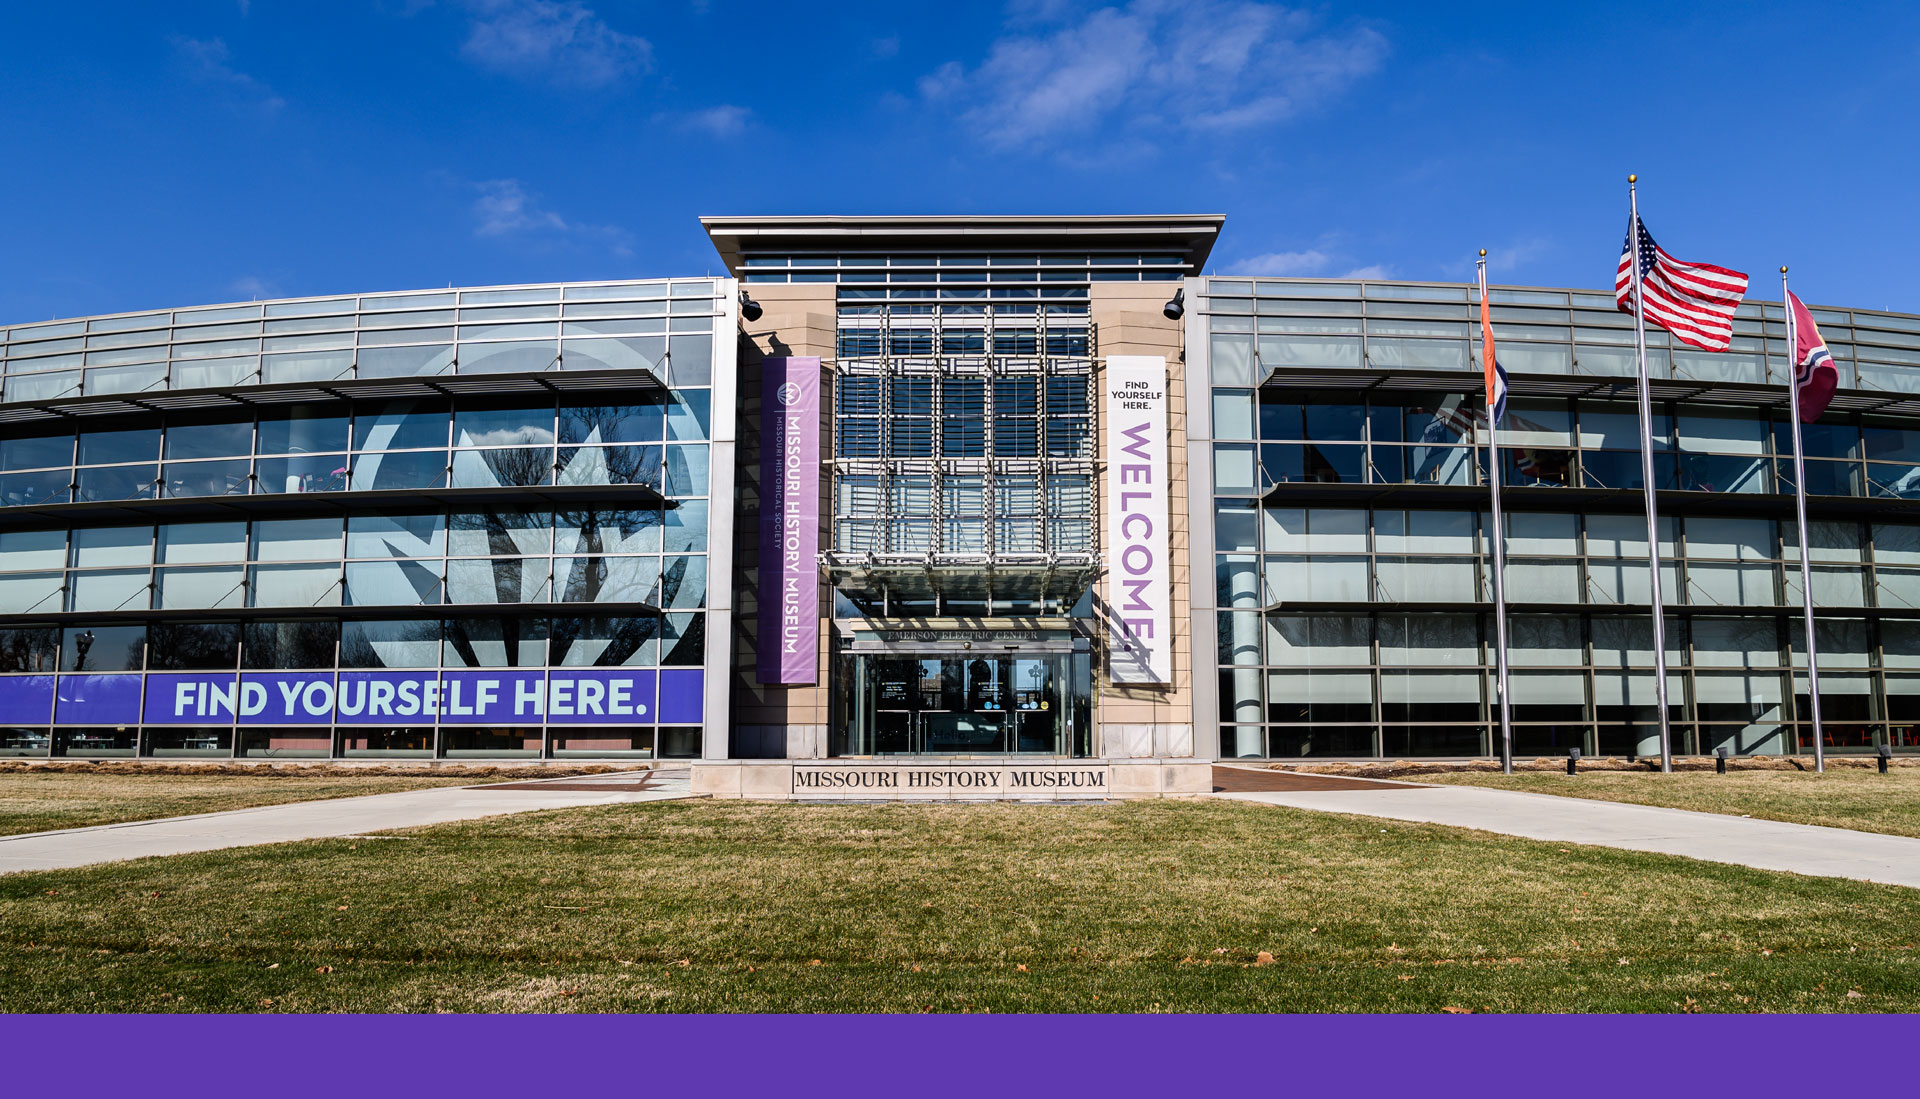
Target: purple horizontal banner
98 700
1351 1055
577 696
26 699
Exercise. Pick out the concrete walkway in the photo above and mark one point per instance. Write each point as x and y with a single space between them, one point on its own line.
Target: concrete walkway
306 820
1743 841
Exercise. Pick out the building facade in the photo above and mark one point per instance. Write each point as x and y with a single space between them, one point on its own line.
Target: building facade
936 502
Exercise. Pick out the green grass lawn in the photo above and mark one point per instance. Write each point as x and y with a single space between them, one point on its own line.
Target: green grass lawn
42 800
1140 906
1858 799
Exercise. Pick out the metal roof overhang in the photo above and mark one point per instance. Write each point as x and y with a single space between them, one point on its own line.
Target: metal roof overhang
963 576
1192 236
346 389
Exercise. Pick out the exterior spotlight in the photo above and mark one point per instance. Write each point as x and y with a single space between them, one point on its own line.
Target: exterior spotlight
1885 752
1573 761
1720 760
749 308
1177 307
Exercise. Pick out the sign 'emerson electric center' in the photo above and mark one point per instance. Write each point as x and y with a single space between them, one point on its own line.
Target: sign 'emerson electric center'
941 506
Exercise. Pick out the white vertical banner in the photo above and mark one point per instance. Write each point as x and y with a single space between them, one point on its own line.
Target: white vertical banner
1139 610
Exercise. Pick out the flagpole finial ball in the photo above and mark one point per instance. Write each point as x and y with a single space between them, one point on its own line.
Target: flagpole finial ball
1783 270
1483 252
1633 179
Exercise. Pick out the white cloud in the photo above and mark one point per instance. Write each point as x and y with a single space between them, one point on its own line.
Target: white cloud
506 209
251 287
1284 263
205 61
725 120
1306 264
561 41
1216 65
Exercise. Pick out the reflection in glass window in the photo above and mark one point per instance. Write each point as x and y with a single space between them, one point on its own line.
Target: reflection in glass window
294 644
609 465
528 426
209 440
606 641
393 583
180 480
103 648
607 579
498 580
404 470
36 450
108 590
609 530
296 539
116 483
313 473
193 646
207 586
134 445
688 414
187 543
423 535
686 527
301 432
503 468
406 643
310 585
503 642
400 427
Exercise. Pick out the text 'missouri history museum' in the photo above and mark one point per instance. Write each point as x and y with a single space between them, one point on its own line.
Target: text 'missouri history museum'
939 507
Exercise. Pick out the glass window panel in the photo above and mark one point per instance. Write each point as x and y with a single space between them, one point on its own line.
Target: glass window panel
686 470
686 527
1537 423
26 489
1233 469
1723 433
112 483
1546 641
182 480
688 414
503 642
308 473
505 467
200 587
1424 531
1427 579
690 358
402 536
1625 536
97 546
683 582
507 358
312 585
1532 580
1238 638
609 465
1543 533
1831 541
1617 427
403 582
499 580
1232 356
603 579
1729 539
296 539
1315 530
309 366
1237 579
1627 642
1233 414
209 440
1413 639
32 649
609 530
1236 527
1316 579
193 646
527 426
406 469
301 432
500 533
640 422
1735 643
186 543
1289 351
131 445
103 648
603 641
1306 641
412 361
35 450
1842 643
33 549
298 644
400 427
29 592
411 643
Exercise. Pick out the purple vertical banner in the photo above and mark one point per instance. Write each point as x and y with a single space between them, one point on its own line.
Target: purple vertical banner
789 521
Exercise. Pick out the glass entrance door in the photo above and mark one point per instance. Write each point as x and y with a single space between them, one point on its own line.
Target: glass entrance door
965 703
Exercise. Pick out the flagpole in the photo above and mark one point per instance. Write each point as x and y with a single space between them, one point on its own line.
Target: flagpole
1800 513
1646 471
1499 539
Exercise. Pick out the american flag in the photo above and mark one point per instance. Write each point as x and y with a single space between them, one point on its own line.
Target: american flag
1694 301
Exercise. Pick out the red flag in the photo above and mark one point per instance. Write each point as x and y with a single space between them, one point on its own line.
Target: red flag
1814 374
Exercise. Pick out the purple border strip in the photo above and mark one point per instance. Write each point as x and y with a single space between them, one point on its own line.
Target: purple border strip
977 1057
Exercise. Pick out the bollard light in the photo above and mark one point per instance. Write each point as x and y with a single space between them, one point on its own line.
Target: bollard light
1885 752
1573 761
1720 760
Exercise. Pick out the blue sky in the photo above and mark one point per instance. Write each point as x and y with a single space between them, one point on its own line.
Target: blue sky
211 150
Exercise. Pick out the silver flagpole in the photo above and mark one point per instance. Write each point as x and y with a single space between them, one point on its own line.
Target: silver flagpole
1646 472
1499 539
1800 512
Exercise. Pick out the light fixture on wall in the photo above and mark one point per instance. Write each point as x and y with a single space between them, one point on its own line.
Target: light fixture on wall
1177 307
749 308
